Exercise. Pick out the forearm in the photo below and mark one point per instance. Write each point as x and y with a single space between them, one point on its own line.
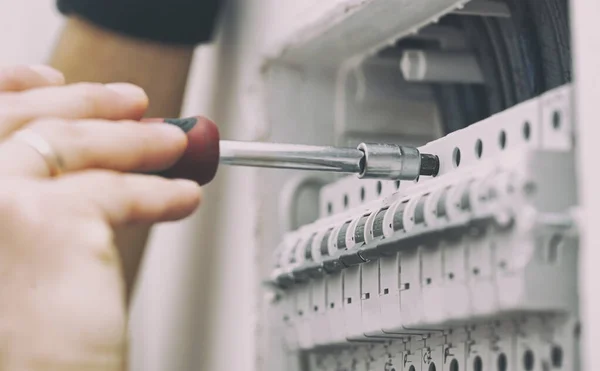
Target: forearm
87 53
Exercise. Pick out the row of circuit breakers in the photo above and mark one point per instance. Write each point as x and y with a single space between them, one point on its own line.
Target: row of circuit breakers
474 269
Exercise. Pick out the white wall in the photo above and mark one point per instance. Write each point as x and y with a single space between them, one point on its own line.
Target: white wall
29 29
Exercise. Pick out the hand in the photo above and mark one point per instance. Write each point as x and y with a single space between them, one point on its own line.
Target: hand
60 271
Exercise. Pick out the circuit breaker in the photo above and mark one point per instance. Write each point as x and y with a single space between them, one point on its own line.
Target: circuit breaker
474 269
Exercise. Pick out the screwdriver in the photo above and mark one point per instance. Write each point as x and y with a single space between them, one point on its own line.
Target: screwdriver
369 161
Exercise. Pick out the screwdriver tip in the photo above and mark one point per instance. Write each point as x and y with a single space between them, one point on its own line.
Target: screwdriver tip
430 165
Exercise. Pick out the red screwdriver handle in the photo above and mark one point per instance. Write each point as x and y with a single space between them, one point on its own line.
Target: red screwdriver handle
201 157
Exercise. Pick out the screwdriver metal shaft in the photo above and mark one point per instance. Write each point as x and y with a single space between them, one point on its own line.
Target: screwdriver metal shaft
291 156
382 161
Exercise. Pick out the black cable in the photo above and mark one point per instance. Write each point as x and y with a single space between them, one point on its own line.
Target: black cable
520 58
521 84
451 114
475 32
475 103
548 43
559 14
530 49
501 60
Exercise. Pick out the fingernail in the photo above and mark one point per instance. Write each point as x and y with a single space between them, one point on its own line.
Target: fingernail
49 73
129 90
189 184
185 124
170 131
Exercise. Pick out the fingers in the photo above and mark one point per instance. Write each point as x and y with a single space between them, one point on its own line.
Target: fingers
95 144
78 101
126 199
19 78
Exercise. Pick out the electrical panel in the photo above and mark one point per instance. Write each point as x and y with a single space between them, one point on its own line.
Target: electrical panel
474 269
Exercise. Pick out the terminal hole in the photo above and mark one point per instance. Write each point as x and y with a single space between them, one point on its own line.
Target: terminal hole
454 366
397 184
362 193
379 188
456 157
528 360
477 364
556 120
502 139
526 130
345 201
556 355
502 363
329 208
478 148
362 163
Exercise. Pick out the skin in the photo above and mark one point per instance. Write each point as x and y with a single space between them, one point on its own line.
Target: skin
60 268
85 52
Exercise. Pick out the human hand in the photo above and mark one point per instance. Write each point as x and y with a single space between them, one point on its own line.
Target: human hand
60 271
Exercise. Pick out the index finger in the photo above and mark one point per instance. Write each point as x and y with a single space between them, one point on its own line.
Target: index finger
118 101
20 78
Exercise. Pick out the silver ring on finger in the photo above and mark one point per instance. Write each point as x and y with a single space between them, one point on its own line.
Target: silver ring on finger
41 146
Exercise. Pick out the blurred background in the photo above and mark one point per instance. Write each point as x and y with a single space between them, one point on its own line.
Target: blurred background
172 313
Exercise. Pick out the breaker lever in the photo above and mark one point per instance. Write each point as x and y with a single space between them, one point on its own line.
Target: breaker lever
370 161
